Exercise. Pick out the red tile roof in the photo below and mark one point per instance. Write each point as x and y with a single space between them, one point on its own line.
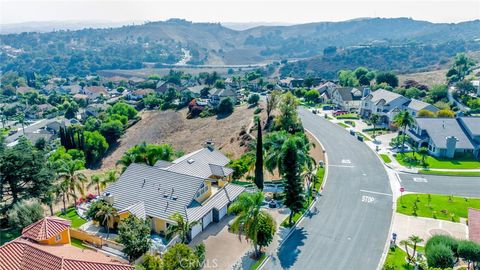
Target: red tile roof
45 228
474 224
21 254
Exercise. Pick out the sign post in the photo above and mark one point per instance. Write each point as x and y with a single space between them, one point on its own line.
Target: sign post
402 189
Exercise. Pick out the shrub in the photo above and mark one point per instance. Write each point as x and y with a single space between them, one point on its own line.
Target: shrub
440 255
253 99
469 250
446 240
225 106
257 110
24 213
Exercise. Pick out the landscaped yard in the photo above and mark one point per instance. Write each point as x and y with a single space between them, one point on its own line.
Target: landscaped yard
343 125
397 260
451 173
385 158
433 162
72 215
437 206
348 116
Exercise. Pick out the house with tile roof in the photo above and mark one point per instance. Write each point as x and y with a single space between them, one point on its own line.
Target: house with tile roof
94 92
387 104
45 245
447 137
197 186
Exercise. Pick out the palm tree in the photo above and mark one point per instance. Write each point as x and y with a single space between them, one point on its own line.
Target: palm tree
415 240
403 119
273 147
69 172
248 210
97 181
310 176
106 214
423 152
405 243
182 227
374 118
21 120
147 153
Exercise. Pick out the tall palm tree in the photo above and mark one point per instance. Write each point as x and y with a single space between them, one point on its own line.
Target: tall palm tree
403 120
248 210
97 181
423 152
181 228
106 214
310 176
414 239
405 243
69 172
374 118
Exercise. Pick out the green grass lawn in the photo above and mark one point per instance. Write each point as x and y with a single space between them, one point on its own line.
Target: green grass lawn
397 260
350 123
378 131
258 262
72 215
440 206
8 235
348 116
456 173
320 176
77 243
343 124
433 162
385 158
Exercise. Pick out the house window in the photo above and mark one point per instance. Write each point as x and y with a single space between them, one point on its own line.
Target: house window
58 237
201 191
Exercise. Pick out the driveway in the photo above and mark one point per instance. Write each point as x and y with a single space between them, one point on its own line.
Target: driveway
404 226
352 221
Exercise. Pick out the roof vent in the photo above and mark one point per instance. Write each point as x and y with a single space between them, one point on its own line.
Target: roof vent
165 194
174 197
144 180
190 161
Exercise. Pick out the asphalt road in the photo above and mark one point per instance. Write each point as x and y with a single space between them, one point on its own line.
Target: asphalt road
434 184
351 225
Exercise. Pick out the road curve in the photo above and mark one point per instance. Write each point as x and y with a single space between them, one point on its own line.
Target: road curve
436 184
351 226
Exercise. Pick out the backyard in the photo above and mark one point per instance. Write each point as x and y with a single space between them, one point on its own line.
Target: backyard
413 160
71 214
442 207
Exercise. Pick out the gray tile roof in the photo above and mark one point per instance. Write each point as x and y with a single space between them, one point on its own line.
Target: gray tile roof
219 200
472 124
439 128
417 105
162 164
162 192
386 95
137 209
349 93
223 92
199 163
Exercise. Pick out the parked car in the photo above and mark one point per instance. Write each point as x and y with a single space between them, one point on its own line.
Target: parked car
327 108
360 138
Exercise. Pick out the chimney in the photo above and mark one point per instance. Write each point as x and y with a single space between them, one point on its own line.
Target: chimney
209 144
451 143
109 198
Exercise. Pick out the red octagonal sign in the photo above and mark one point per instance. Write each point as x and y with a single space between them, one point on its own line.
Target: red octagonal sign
402 189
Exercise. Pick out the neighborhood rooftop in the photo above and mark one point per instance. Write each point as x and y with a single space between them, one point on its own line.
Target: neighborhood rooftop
440 128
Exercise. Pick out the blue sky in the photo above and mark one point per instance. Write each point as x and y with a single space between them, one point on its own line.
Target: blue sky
16 11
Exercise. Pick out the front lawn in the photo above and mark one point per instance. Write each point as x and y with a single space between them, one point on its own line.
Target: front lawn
72 215
397 259
406 159
385 158
353 116
450 173
438 206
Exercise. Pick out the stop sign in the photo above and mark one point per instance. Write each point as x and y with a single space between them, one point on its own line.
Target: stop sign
402 189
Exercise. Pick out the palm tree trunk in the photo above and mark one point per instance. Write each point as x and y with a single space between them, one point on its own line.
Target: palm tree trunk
403 138
64 204
98 189
50 205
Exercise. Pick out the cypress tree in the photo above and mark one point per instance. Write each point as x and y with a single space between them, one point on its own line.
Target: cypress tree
290 170
259 158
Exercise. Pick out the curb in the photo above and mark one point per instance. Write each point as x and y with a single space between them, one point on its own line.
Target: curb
325 177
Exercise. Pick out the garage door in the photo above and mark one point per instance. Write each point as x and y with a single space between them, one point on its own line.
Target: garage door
196 229
222 212
207 219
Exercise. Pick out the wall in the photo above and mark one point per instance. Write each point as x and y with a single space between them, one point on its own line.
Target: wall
81 235
207 194
159 225
64 239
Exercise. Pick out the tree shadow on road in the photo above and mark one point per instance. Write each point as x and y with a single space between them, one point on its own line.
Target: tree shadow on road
289 251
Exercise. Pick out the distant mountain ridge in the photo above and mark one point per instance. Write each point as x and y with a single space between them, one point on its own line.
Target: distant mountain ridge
156 43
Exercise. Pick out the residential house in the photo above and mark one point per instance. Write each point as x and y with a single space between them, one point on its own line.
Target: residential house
196 186
72 89
94 110
447 137
347 98
94 92
387 104
197 89
46 244
476 84
140 93
218 94
163 86
325 90
24 89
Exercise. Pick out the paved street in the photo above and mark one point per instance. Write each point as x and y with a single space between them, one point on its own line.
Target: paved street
434 184
354 214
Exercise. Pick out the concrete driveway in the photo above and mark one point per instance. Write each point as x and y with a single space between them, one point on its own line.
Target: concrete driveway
404 226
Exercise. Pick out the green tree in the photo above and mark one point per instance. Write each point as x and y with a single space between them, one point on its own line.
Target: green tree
423 152
181 228
225 107
259 158
122 108
403 120
446 114
470 252
253 99
106 215
415 240
438 92
461 67
374 119
405 244
440 256
288 119
95 146
181 256
24 213
272 102
347 78
111 130
425 114
290 170
69 172
152 262
312 96
257 225
147 153
98 182
134 234
387 77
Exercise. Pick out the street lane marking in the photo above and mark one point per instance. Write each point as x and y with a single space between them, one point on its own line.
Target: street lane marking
346 161
374 192
420 180
342 166
368 199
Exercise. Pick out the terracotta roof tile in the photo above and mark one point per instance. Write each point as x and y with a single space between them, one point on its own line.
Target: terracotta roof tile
45 228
